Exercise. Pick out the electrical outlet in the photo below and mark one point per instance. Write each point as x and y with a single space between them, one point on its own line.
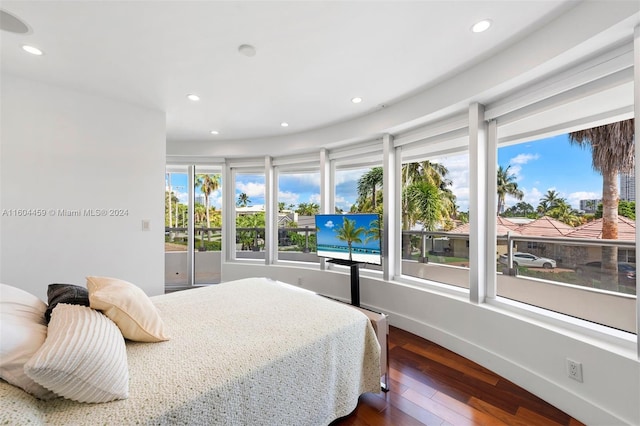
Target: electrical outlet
574 370
299 281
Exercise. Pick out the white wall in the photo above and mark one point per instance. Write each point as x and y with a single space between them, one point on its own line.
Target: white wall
62 149
531 354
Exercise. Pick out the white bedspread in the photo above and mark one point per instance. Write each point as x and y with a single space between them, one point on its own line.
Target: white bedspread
247 352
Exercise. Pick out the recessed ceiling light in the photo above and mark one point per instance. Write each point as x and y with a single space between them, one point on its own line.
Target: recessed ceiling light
193 97
481 26
247 50
32 50
284 124
356 100
215 132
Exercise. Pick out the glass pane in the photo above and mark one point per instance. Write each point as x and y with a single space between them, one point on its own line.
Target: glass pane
551 192
176 238
207 227
250 219
435 216
298 203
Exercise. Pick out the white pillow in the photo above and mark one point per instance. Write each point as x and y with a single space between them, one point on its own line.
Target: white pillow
22 332
84 357
128 306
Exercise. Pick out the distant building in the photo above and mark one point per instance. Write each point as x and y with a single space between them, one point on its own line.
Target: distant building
589 206
628 186
199 199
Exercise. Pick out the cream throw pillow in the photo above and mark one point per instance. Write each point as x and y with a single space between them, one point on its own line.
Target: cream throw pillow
22 333
128 306
84 357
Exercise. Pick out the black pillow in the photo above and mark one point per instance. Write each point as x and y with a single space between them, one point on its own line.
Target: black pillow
65 293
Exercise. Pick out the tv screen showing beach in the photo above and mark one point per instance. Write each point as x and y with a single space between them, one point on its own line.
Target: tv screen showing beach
354 237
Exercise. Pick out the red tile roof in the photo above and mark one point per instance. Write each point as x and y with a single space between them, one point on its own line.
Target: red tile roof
593 229
545 226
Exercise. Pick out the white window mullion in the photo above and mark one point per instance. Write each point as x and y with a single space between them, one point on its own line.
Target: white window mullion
636 100
270 212
477 203
492 208
391 208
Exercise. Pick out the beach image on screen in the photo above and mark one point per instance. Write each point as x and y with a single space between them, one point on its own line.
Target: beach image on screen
354 237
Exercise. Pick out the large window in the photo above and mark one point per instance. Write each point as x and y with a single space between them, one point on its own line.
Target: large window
250 215
435 216
298 203
561 198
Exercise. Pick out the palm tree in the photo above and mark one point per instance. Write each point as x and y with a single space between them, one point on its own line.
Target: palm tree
416 202
426 203
368 184
349 234
564 213
243 200
375 231
507 185
550 201
612 152
207 184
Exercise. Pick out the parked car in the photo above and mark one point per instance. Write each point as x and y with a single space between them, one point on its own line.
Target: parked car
626 272
528 260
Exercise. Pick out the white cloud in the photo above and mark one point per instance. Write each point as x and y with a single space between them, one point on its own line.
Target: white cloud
252 189
329 224
575 197
288 197
314 198
523 158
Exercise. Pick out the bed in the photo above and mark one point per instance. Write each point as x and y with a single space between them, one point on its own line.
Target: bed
247 352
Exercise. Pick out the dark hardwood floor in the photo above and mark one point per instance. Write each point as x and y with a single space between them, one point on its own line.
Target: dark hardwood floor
433 386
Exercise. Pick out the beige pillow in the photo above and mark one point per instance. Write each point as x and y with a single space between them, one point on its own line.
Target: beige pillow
128 306
84 357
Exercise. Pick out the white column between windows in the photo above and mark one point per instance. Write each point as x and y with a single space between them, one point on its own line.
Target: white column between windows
636 103
190 224
477 203
228 213
327 198
392 228
270 213
491 209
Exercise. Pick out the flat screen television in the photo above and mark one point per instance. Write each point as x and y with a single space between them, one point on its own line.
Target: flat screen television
351 237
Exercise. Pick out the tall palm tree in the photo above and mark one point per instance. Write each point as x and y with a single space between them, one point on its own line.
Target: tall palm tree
349 234
369 183
507 185
612 152
208 184
243 200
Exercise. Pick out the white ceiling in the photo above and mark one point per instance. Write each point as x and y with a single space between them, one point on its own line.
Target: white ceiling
312 57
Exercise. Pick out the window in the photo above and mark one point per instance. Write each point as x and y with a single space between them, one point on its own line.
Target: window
435 216
566 268
250 215
298 203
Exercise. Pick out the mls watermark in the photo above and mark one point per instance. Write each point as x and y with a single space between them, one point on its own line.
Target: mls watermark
65 212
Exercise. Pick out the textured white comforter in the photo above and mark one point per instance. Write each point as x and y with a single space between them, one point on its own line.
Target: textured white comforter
247 352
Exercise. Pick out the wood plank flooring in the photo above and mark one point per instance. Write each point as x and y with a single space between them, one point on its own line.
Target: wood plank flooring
433 386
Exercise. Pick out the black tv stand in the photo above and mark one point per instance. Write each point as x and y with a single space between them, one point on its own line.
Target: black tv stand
355 278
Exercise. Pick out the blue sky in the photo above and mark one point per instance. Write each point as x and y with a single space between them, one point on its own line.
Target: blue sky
539 166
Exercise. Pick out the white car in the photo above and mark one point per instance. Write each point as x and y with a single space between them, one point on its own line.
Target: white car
530 260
